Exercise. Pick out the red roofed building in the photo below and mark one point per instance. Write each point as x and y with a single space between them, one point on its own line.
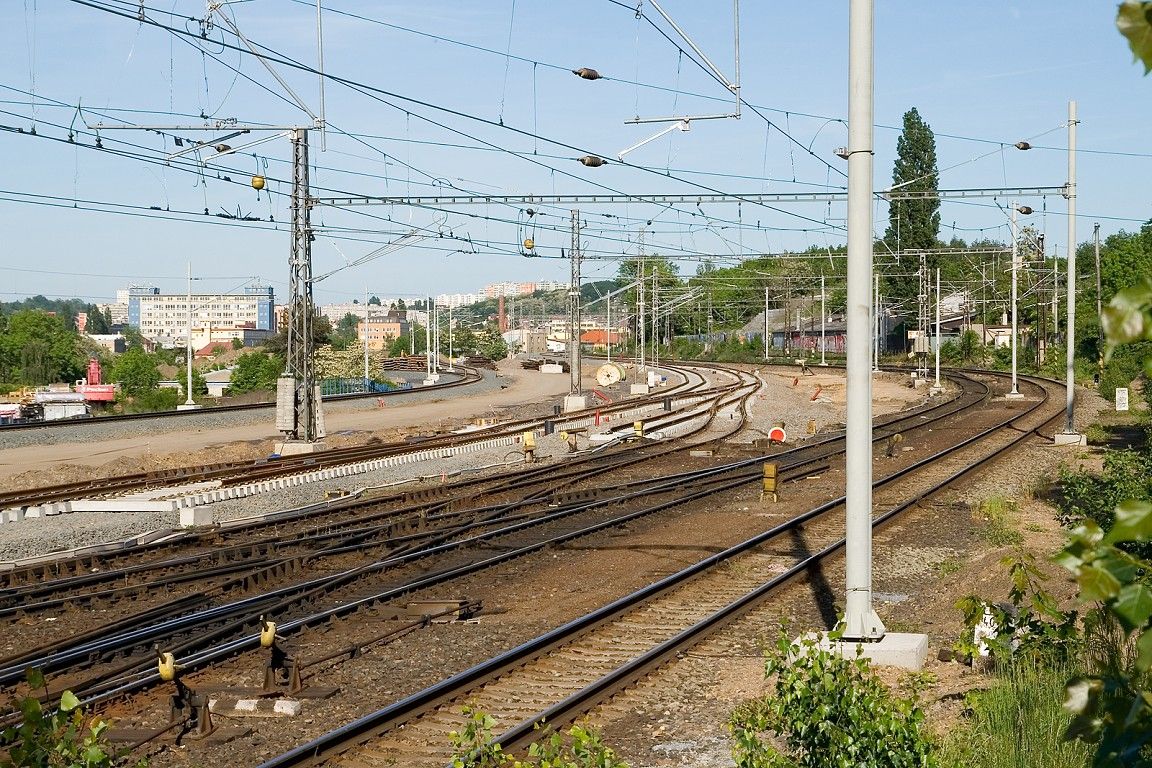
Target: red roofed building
211 350
600 338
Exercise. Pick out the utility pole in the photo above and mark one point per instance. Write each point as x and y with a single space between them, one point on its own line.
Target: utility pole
766 322
860 621
641 315
608 322
366 311
297 385
1099 308
876 329
574 315
921 345
823 318
1015 393
656 316
189 403
936 388
1069 435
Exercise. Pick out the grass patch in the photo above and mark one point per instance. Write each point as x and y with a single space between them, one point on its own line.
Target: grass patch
1019 721
1096 435
949 566
1001 515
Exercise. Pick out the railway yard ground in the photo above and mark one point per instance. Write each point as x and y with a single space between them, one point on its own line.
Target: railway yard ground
933 554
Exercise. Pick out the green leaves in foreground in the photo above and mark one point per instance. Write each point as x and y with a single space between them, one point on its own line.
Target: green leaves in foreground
1134 20
828 711
1112 711
63 737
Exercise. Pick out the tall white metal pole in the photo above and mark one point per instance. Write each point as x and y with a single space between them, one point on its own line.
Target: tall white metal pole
765 323
1070 336
860 620
428 336
823 318
451 350
875 324
365 338
188 401
1015 259
609 324
937 385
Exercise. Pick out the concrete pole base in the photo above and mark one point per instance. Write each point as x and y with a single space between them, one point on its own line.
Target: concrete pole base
936 390
298 447
1069 438
904 650
189 407
575 403
1013 396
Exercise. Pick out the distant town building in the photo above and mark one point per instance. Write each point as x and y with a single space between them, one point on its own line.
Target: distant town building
336 312
457 300
113 342
381 331
165 317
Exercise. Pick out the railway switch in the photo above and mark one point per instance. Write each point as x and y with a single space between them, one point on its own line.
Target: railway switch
278 666
186 706
771 478
166 666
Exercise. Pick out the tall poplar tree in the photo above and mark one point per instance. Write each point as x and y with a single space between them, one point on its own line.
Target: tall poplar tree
912 224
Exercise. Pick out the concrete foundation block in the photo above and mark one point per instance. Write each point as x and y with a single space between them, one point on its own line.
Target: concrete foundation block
1069 438
575 403
903 650
286 707
195 517
33 512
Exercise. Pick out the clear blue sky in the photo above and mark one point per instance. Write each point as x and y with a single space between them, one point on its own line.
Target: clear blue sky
983 75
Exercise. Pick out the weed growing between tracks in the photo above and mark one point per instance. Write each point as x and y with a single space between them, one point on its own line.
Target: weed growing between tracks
1001 515
578 747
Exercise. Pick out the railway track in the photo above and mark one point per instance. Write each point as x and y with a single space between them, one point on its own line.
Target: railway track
564 673
247 472
170 617
494 528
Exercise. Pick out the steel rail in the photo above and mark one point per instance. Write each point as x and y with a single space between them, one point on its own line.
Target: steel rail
340 739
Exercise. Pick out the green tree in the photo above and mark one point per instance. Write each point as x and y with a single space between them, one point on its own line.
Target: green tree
345 332
136 373
374 301
39 348
490 344
913 224
321 334
199 386
464 340
98 321
255 370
